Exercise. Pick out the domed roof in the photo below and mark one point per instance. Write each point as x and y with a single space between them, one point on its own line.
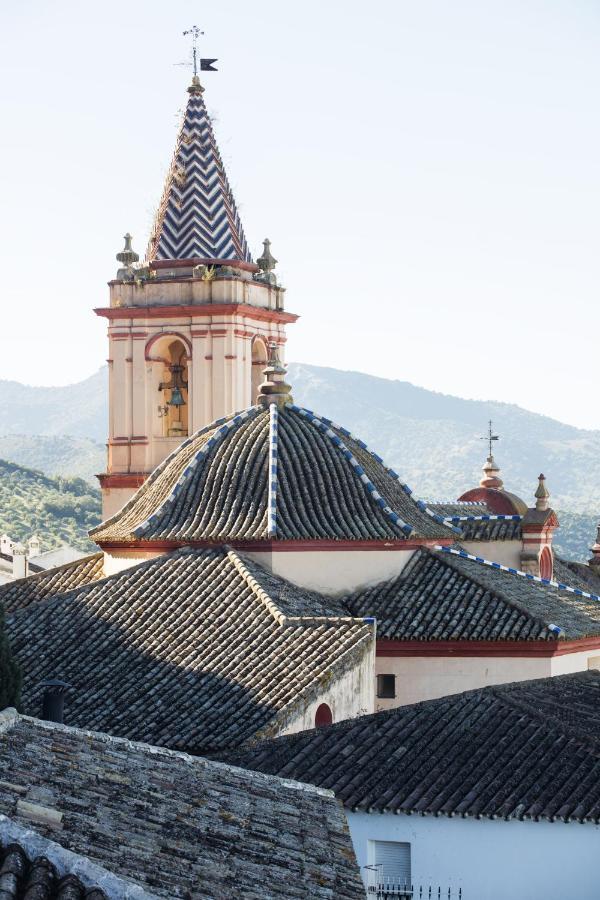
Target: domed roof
272 472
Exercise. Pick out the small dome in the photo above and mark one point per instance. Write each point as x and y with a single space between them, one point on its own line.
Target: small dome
272 473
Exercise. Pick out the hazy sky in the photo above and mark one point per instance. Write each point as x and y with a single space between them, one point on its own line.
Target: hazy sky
428 173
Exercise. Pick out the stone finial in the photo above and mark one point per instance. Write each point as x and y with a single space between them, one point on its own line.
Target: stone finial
491 475
274 388
266 263
195 87
542 494
127 256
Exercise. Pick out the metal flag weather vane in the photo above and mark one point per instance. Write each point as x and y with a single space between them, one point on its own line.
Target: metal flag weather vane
490 436
206 65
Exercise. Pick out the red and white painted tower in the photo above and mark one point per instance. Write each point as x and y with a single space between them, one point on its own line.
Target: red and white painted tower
188 329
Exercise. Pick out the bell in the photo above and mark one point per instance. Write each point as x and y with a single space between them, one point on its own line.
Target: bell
176 398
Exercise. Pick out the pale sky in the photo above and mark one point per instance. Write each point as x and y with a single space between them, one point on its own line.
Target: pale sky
428 173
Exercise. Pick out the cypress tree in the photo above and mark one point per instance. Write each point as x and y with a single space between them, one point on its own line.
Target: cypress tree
10 671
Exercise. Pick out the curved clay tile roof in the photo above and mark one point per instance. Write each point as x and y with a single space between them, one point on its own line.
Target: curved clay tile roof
194 650
272 473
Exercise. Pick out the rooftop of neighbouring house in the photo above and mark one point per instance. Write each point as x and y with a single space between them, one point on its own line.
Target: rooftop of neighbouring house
145 822
195 650
528 750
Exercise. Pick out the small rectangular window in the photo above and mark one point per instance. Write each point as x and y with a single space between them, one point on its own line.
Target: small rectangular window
390 864
386 686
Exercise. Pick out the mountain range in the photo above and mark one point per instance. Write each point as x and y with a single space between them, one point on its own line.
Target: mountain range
433 440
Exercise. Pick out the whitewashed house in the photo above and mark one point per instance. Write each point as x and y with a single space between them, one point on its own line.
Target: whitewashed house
492 793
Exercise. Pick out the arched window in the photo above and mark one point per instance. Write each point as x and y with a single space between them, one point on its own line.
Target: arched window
169 356
546 563
323 716
259 361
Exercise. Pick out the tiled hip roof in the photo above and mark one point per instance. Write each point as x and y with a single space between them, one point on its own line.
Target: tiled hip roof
192 650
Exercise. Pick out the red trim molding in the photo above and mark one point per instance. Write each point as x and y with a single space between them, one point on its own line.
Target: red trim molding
121 479
202 310
274 546
391 648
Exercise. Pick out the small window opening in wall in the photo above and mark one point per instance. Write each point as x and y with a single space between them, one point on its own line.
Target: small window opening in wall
386 686
323 716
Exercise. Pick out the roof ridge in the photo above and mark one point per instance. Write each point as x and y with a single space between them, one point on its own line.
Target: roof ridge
272 464
255 587
508 695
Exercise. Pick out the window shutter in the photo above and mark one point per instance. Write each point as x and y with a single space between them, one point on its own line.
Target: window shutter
393 858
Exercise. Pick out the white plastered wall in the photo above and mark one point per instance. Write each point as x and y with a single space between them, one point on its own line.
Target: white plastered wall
334 572
508 553
350 695
489 859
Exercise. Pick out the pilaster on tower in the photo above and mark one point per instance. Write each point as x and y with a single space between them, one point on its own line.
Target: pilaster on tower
188 329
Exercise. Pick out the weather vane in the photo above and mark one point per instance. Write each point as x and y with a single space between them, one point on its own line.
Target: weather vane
490 436
206 65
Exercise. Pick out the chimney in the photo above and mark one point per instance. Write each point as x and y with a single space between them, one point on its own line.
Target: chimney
19 568
6 545
34 545
594 562
53 699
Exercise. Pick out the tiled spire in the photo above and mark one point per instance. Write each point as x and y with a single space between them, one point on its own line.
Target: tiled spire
197 217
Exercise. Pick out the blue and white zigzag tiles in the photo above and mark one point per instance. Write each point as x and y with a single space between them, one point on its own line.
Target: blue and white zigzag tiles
273 455
224 427
197 216
326 426
537 578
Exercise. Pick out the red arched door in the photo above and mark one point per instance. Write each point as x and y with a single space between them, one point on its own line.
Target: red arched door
323 716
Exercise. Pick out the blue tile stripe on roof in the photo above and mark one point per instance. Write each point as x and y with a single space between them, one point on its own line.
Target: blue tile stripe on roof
495 565
485 518
272 503
324 426
225 425
328 424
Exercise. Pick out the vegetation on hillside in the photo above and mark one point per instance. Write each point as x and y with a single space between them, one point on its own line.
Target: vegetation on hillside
59 510
10 671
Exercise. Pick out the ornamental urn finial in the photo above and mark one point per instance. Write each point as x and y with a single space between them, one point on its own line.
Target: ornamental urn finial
542 494
491 475
274 388
128 256
266 263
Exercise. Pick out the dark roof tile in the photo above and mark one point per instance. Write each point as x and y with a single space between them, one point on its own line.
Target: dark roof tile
524 750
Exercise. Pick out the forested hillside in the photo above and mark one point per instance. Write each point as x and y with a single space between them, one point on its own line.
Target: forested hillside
58 510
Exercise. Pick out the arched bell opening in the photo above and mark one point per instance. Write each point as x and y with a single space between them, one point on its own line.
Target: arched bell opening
546 563
170 377
259 361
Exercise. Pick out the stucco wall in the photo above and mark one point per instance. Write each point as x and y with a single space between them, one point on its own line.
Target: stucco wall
428 677
508 553
490 860
353 694
334 572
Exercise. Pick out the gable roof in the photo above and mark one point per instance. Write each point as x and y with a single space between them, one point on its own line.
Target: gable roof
440 597
529 750
171 824
20 593
193 650
220 486
197 216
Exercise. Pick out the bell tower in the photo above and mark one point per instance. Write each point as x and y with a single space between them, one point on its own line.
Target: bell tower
189 328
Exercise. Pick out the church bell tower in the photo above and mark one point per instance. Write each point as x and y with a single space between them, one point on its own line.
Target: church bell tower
189 328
